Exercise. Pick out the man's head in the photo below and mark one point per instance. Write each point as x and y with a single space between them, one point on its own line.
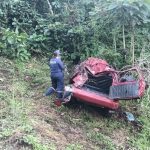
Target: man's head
57 53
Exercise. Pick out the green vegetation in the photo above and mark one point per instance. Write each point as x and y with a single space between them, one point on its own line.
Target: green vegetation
115 30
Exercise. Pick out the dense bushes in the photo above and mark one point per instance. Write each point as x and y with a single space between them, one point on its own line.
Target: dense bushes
84 28
14 45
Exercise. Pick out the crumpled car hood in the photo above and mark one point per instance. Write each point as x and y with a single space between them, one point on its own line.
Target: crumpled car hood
91 65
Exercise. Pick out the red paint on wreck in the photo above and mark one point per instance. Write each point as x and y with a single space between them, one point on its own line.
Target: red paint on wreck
94 99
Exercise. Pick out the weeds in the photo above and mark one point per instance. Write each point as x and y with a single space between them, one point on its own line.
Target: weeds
5 133
74 147
102 140
142 139
34 142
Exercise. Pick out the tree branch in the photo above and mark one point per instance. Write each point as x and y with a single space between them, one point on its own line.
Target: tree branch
50 7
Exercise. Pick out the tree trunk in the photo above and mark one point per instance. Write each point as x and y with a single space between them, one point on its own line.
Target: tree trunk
50 7
132 46
124 42
115 45
133 50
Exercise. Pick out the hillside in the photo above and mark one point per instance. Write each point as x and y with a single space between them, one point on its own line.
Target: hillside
30 121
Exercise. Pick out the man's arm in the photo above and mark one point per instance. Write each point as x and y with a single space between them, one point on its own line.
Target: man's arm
60 63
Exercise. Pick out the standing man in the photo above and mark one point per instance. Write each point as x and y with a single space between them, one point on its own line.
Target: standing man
57 75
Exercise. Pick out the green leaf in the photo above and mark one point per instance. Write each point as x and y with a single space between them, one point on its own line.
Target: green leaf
1 12
11 40
113 6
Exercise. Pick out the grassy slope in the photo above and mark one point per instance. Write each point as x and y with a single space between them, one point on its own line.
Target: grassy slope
30 121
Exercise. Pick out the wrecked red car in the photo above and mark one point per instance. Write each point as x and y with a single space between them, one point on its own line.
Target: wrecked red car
95 82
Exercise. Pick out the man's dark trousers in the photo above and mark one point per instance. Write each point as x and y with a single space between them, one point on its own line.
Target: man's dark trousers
57 85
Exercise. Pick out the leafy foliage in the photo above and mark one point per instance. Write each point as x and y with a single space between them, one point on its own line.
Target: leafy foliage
79 28
14 44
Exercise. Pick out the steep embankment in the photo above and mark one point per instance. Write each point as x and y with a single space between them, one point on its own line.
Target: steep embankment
30 121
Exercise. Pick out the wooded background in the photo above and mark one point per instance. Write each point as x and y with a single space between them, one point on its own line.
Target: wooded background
115 30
